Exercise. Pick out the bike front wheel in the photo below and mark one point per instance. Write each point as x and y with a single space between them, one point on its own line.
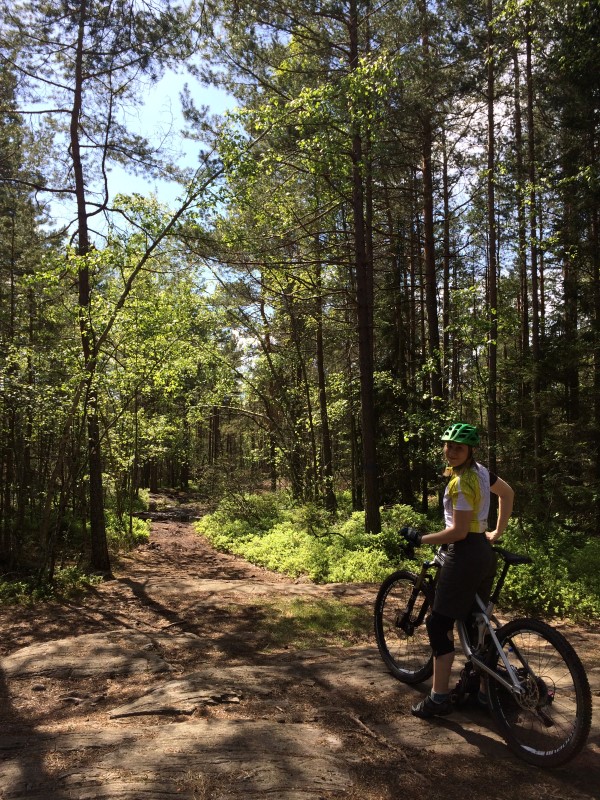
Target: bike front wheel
549 722
400 630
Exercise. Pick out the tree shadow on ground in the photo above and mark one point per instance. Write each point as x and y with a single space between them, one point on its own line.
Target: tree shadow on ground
24 751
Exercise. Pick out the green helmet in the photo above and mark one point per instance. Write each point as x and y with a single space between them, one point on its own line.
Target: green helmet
461 432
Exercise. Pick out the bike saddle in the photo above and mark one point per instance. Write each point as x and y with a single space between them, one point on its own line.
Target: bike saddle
512 558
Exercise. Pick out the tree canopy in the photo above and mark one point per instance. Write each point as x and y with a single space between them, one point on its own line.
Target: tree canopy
396 227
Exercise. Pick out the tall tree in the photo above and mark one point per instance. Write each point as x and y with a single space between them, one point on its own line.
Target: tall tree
492 277
90 60
20 247
533 247
429 249
364 294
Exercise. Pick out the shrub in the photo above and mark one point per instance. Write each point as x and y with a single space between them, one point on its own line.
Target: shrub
242 517
122 535
395 518
303 540
67 582
15 591
372 566
559 582
584 565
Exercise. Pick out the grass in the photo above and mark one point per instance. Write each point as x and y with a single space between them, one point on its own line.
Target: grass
304 624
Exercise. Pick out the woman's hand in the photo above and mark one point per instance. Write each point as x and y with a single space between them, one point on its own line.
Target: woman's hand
505 506
412 535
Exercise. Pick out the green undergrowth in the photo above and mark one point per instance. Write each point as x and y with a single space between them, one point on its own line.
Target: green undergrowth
302 540
303 624
67 582
125 533
563 579
32 580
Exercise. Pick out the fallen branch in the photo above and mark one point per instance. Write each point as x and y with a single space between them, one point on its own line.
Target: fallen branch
383 741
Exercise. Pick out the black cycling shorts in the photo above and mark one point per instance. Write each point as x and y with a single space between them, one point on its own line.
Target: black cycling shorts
468 570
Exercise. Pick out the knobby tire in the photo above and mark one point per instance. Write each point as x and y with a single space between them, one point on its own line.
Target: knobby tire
550 723
405 650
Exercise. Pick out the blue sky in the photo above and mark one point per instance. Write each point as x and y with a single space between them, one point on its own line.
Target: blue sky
160 119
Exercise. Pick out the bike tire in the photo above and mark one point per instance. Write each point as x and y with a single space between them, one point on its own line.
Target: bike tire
550 723
405 650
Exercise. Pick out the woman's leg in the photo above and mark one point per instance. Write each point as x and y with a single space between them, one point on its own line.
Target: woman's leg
442 669
440 629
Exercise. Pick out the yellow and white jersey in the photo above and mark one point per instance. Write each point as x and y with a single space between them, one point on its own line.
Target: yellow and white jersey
469 491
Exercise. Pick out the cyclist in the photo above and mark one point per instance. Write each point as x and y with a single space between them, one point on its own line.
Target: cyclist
470 561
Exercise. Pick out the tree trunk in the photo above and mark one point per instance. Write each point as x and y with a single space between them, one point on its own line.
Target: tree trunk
570 293
447 360
524 338
414 306
595 259
8 426
492 282
535 299
100 559
298 333
329 499
364 294
433 333
521 218
214 441
356 473
433 338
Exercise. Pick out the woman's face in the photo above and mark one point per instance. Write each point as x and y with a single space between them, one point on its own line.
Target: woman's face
456 454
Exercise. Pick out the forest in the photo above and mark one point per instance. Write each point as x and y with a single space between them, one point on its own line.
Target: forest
395 226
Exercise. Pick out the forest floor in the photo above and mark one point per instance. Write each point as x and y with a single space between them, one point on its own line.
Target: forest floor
168 681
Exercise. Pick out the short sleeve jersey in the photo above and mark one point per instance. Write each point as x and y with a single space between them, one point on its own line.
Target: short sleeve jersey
469 491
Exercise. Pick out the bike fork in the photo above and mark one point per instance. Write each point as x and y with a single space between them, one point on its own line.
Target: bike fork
403 619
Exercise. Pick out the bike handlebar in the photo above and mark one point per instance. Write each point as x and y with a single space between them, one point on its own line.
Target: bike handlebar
509 558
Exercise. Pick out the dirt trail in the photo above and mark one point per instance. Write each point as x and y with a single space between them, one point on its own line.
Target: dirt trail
164 683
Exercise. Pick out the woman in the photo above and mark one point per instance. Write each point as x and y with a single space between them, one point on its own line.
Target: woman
470 563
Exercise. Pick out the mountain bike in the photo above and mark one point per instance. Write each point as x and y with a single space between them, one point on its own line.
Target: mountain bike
533 681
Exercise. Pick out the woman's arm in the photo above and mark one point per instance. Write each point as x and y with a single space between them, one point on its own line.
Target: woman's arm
457 531
505 506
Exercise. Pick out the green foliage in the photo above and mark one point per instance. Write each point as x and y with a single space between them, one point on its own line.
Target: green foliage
396 517
585 565
242 517
368 565
124 533
302 540
222 390
563 579
66 582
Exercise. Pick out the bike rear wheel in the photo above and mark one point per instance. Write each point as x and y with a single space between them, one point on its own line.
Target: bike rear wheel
550 722
400 629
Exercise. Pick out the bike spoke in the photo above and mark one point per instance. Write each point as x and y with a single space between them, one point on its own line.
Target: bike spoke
549 687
